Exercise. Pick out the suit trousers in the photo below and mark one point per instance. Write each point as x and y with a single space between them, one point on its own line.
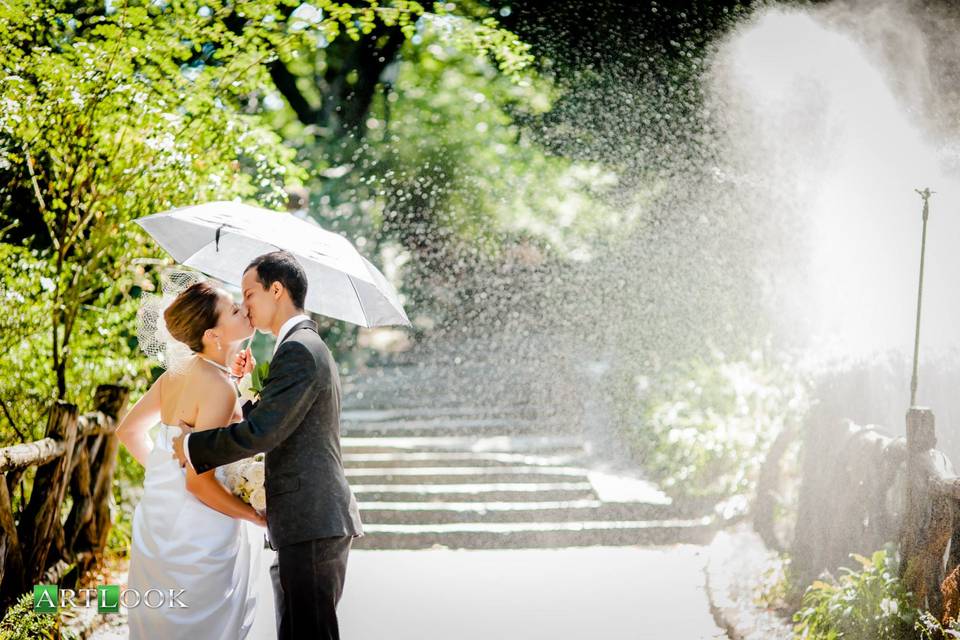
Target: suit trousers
308 581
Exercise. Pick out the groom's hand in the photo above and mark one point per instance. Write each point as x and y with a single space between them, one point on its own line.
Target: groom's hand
178 444
178 450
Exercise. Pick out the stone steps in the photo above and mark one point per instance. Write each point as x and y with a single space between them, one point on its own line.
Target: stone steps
451 382
530 444
535 535
415 499
475 476
420 413
439 427
584 510
464 475
397 459
480 492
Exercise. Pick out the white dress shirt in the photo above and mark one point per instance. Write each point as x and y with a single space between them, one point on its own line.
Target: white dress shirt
284 330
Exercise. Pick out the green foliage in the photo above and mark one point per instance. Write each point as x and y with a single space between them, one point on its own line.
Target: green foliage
486 38
21 622
357 21
23 343
449 144
703 428
930 628
866 604
106 118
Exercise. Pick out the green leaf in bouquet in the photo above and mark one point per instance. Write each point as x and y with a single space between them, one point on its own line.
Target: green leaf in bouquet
258 375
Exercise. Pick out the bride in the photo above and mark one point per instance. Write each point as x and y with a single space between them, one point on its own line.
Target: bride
189 532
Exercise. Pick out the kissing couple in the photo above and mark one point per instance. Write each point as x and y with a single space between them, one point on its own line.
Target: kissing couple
190 532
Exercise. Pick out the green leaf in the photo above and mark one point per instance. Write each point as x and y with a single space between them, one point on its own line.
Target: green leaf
258 376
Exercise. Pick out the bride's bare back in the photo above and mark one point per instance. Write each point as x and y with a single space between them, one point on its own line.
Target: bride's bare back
200 396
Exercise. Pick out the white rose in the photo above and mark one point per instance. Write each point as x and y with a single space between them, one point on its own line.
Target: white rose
254 474
231 477
258 499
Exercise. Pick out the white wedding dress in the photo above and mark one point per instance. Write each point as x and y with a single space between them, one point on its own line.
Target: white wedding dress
180 543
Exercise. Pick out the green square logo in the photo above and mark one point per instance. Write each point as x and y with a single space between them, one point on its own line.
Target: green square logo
108 598
46 598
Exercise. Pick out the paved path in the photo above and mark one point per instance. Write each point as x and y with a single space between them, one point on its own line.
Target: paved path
588 593
596 593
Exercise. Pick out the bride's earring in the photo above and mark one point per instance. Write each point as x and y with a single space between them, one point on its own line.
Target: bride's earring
219 347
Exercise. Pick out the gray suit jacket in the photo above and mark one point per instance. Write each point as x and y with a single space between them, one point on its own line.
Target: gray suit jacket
297 423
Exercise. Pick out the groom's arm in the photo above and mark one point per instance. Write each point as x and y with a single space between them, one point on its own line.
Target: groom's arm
245 409
287 394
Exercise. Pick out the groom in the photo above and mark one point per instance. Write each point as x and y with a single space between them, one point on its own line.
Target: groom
312 516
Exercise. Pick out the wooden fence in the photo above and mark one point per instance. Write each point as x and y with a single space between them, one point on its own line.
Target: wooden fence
861 489
76 459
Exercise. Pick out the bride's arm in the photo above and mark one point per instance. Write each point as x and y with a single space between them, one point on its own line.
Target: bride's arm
210 492
217 408
132 430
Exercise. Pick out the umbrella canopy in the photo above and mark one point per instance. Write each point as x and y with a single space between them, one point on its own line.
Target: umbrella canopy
221 238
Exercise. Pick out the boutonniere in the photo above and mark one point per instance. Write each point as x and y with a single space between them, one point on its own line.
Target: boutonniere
257 376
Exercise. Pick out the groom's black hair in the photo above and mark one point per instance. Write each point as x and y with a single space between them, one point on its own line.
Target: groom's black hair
282 267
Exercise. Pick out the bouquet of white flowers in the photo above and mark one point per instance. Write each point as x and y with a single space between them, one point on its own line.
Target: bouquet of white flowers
244 479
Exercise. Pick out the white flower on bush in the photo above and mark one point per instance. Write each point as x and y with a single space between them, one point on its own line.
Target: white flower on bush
889 607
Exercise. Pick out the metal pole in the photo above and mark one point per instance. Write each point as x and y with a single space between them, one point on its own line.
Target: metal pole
925 194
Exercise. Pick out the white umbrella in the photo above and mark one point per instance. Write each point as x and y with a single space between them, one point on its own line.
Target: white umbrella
221 238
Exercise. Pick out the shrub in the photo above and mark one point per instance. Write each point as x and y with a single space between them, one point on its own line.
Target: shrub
21 622
703 428
931 629
869 604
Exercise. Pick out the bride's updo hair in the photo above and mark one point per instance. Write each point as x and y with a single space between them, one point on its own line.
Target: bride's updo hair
192 313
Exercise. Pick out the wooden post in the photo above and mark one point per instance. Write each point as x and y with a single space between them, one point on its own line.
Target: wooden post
928 520
12 578
82 511
41 518
111 400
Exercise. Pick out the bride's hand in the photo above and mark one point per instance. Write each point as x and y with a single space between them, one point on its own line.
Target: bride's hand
258 518
243 363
